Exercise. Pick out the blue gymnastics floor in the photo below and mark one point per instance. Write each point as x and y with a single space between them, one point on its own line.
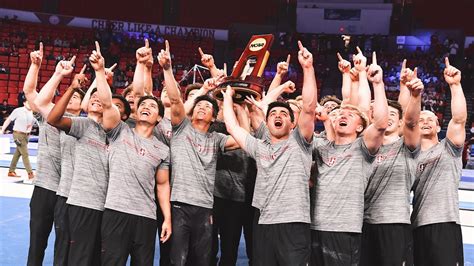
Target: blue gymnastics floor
14 219
14 235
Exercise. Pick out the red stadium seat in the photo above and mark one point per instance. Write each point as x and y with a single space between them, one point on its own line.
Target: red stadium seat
3 76
14 77
12 90
12 100
24 58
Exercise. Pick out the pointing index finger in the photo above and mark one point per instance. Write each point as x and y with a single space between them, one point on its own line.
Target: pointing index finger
73 59
147 44
200 51
167 46
339 57
446 62
83 69
358 50
112 67
41 48
97 47
404 64
374 58
300 46
288 58
415 72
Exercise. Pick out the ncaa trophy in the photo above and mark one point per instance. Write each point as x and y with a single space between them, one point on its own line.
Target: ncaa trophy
246 78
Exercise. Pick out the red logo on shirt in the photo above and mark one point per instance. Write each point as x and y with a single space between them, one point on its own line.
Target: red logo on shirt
380 158
332 161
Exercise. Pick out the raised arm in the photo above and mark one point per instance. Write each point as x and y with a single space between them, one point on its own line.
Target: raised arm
238 134
282 69
163 193
87 96
56 117
345 68
256 114
354 86
148 76
207 60
209 84
309 93
360 63
31 80
404 96
242 116
456 128
373 135
85 101
323 116
45 97
110 115
177 107
411 130
143 55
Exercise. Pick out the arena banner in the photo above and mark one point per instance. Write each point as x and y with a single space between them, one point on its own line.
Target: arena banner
115 25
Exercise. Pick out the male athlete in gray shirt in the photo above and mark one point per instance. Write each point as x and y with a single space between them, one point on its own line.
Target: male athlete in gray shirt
193 158
43 200
135 155
386 234
437 234
281 235
343 168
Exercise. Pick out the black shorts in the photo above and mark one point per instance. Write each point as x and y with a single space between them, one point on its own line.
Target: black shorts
126 234
334 248
386 244
84 233
191 240
281 244
438 244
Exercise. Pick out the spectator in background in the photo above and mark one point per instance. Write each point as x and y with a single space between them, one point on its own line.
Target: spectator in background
23 117
21 98
50 56
14 50
453 50
4 111
58 42
3 69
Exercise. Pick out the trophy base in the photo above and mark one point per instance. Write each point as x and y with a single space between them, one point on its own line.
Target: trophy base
242 89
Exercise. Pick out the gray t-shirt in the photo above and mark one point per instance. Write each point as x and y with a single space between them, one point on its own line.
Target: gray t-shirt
91 170
133 162
387 196
193 158
341 179
283 171
131 122
235 174
262 132
163 131
48 171
438 172
68 148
